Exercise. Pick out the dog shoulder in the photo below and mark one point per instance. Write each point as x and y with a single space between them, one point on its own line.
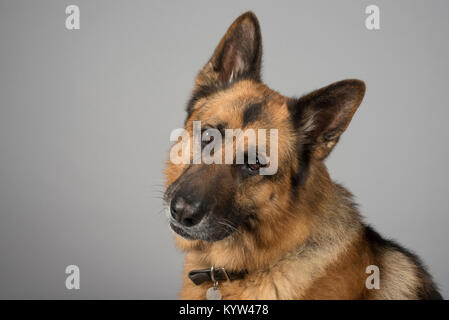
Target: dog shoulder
402 274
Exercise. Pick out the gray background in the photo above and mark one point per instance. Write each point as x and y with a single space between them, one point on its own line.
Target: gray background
85 118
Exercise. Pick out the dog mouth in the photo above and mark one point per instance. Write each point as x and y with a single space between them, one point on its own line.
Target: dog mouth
206 231
180 231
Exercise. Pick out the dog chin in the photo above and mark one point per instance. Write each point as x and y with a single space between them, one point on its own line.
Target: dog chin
203 233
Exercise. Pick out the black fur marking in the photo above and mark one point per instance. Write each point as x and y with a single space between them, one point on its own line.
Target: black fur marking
294 183
251 113
428 290
297 179
295 110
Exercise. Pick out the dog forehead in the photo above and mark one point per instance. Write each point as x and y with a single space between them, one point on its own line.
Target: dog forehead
246 104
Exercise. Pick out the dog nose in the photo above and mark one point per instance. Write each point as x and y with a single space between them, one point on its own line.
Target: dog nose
185 213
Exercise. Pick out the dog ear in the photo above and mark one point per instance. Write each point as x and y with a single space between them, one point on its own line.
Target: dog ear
323 115
238 54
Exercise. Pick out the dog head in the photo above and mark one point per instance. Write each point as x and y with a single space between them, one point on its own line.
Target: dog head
210 202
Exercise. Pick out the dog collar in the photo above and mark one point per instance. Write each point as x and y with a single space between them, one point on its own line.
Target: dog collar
214 275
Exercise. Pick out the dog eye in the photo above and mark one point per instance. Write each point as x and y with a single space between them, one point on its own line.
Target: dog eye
206 137
254 167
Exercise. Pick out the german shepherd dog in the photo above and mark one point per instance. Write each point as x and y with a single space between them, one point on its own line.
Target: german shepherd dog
295 234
